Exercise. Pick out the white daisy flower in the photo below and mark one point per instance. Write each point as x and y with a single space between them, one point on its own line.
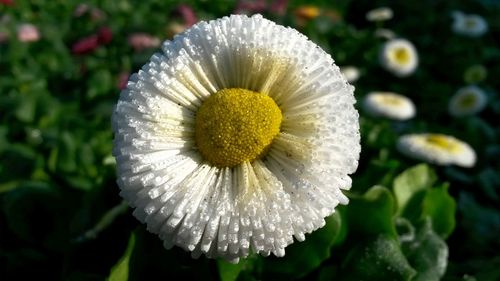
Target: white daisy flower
467 101
379 14
399 57
351 73
389 105
238 137
437 149
469 25
385 33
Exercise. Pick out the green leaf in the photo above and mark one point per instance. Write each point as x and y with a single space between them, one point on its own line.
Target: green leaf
481 222
406 230
441 208
411 181
327 273
79 182
151 261
26 109
119 272
18 162
8 186
33 213
428 254
66 160
377 259
303 257
373 213
229 271
102 83
489 270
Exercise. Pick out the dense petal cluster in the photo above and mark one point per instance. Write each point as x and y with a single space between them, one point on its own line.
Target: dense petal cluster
437 149
257 206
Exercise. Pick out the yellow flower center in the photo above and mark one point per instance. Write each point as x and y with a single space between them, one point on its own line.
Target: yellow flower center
443 142
390 99
402 55
467 101
236 125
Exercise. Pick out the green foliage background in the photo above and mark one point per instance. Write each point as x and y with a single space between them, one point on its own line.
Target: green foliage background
60 214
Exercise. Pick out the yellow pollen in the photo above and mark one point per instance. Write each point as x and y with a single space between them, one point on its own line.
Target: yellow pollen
236 125
443 142
402 55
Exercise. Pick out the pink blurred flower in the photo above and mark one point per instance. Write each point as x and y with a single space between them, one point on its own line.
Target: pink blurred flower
250 7
104 35
88 44
81 10
187 14
95 13
27 33
7 2
141 41
85 45
122 80
278 7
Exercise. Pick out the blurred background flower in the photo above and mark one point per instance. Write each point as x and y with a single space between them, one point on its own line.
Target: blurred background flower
379 14
141 41
437 149
27 33
385 33
469 25
389 105
399 57
351 73
467 101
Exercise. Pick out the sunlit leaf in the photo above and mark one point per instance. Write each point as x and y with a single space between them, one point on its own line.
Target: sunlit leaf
373 213
120 271
411 181
240 271
440 207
